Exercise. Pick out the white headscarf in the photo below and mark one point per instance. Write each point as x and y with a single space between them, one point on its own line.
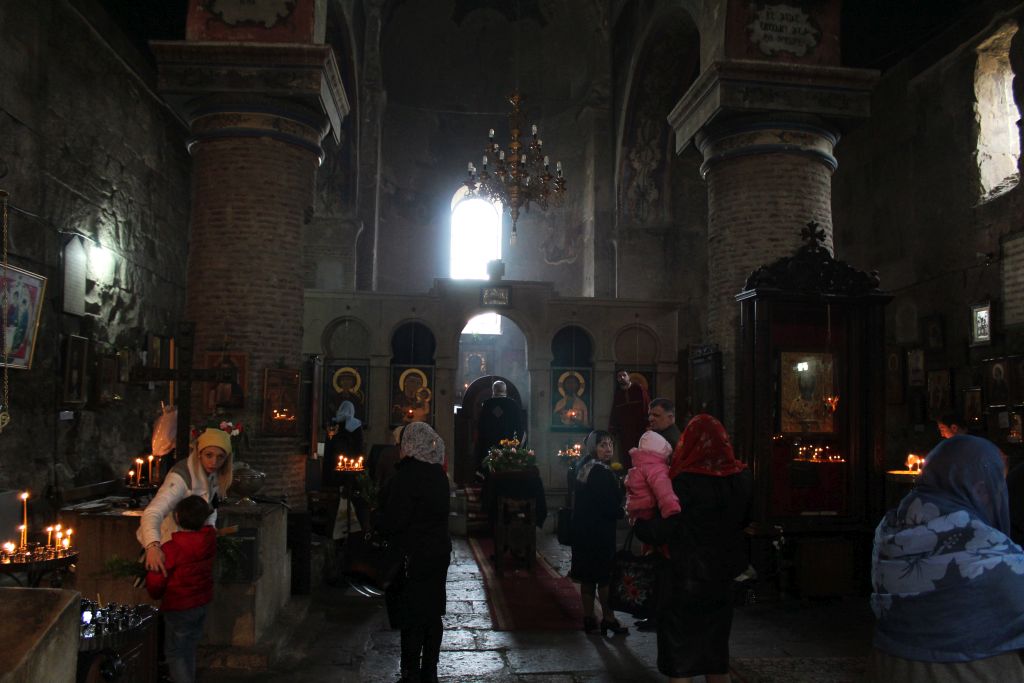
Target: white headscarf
347 414
589 459
421 442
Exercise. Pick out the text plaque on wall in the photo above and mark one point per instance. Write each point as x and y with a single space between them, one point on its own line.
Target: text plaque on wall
1013 280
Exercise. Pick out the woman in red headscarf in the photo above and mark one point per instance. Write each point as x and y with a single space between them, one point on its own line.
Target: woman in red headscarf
707 552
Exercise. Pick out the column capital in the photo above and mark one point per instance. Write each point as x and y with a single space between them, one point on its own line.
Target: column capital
752 135
744 86
293 81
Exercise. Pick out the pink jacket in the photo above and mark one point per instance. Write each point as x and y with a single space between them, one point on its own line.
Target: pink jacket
648 486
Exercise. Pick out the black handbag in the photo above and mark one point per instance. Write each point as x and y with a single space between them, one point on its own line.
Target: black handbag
563 530
370 559
634 586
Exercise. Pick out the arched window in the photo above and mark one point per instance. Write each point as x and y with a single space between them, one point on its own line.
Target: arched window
997 114
475 240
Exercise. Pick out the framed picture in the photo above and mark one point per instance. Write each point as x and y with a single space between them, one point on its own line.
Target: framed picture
475 362
155 351
981 323
18 333
995 382
75 359
1013 435
412 394
107 386
939 393
894 394
1015 368
972 406
281 401
345 380
227 396
805 380
932 333
571 399
915 368
705 381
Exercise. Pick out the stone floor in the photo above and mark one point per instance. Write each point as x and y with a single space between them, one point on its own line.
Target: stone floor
340 636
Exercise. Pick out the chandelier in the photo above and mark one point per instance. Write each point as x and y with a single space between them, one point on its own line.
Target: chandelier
520 174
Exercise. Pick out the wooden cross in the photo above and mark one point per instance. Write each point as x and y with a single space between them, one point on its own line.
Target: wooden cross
184 374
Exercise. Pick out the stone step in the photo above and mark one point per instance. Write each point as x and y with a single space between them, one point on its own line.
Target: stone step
268 652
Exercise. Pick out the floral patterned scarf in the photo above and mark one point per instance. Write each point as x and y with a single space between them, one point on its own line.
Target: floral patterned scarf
421 442
948 583
704 448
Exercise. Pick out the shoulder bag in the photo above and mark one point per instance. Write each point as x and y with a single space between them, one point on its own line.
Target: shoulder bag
634 586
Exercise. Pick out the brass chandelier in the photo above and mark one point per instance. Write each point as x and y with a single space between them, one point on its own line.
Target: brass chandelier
521 172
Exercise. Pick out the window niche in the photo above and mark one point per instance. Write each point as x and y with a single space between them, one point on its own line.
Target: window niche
997 115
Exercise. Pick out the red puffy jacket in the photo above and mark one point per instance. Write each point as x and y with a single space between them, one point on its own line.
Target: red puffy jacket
188 558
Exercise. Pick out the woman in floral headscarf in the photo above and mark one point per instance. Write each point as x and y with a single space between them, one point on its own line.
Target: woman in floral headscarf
706 552
414 517
948 582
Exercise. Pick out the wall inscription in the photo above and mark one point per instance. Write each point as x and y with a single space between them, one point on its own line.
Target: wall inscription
1013 280
265 12
783 28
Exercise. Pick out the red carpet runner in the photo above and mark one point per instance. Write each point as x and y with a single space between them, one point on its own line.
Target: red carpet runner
519 600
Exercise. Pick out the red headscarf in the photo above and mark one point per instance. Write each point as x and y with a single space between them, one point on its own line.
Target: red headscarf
704 448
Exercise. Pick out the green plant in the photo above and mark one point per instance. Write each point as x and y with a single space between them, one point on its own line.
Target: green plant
509 455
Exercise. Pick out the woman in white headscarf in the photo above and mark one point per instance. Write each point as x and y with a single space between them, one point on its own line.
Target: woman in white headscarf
414 517
347 442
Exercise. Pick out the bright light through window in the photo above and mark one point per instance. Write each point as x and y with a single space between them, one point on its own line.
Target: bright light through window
476 238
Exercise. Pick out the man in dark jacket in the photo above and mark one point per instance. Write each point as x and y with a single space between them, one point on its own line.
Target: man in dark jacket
499 419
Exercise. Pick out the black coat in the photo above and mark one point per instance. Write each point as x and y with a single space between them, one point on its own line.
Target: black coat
705 540
414 517
597 506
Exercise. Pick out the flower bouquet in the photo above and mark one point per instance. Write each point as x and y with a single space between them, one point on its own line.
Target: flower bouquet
509 455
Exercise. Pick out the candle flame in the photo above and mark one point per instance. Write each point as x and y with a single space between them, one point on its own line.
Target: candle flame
914 462
24 495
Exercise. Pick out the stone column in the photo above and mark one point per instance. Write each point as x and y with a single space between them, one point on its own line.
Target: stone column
767 133
257 115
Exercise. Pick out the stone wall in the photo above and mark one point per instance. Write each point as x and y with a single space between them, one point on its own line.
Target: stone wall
907 202
88 148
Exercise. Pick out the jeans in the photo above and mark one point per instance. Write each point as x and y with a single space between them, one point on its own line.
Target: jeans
182 633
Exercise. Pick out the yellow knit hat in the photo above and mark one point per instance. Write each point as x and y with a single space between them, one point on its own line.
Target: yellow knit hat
215 437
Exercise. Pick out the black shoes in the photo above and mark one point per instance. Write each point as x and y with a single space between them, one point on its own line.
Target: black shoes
615 627
647 625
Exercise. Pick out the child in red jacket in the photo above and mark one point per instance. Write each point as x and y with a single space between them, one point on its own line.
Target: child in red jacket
186 586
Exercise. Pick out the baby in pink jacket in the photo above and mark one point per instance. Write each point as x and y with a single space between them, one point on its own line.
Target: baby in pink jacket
647 484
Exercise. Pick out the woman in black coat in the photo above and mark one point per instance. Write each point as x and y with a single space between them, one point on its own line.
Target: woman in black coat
707 551
414 517
597 507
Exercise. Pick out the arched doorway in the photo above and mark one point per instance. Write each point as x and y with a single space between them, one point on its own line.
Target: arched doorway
484 358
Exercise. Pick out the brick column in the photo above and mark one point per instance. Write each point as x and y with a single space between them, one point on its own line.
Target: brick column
766 179
767 132
255 155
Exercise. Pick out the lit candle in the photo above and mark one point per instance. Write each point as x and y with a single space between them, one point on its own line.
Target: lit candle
24 538
131 475
49 536
9 548
138 471
66 543
24 516
150 475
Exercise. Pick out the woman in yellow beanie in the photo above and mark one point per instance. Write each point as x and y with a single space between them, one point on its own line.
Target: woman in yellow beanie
206 472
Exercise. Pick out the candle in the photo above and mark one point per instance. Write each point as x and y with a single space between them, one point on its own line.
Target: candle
66 543
24 538
24 516
138 473
49 535
150 475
